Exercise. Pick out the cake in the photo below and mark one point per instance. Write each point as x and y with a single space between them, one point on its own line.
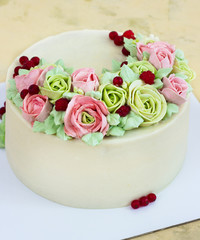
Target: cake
132 120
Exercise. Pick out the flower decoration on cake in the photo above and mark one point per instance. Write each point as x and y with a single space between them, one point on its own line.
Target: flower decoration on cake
146 88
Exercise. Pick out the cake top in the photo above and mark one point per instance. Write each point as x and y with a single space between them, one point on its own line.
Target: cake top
148 82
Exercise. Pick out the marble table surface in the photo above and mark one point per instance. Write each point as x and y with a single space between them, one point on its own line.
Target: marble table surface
23 22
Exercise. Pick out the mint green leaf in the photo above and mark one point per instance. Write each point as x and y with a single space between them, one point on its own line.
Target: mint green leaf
58 116
189 88
116 131
69 95
12 90
113 119
115 65
94 94
179 54
38 127
158 84
171 109
128 75
17 100
145 56
133 121
163 72
130 45
107 77
42 62
60 62
50 126
93 139
56 71
104 70
23 72
61 133
131 59
123 121
2 132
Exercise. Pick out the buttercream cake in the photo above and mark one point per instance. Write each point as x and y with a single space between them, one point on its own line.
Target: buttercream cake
100 127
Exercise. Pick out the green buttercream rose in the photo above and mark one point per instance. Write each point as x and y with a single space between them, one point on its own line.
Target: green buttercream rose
57 82
147 102
141 66
182 67
113 97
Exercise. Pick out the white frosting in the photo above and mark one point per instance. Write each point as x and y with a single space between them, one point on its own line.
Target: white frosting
109 175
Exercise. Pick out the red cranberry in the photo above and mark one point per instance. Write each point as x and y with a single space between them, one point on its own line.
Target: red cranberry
135 204
129 34
151 197
125 51
28 65
148 77
112 35
16 70
143 201
14 75
2 111
23 60
119 40
123 110
23 93
124 63
35 60
33 89
61 104
4 104
117 81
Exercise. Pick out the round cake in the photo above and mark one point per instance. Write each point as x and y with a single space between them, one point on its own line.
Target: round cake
120 163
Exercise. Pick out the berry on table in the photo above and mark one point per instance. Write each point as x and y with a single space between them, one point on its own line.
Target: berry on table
135 204
151 197
61 104
33 89
117 81
144 201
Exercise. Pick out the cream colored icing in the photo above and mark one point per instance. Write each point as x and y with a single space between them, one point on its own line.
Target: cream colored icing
109 175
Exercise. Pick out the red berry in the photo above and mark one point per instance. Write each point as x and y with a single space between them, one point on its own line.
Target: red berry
2 111
151 197
143 201
35 60
28 65
148 77
14 75
61 104
4 104
112 35
117 81
125 51
124 63
123 110
135 204
23 60
16 70
23 93
129 34
33 89
119 40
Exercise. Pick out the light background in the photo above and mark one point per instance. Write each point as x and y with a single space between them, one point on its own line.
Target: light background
23 22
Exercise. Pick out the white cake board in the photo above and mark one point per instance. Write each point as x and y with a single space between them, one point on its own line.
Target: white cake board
25 215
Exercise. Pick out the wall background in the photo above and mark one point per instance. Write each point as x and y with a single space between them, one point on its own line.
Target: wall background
23 22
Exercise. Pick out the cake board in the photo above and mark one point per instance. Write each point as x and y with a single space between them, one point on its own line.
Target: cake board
25 215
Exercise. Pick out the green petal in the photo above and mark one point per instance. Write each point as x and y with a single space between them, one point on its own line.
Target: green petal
93 139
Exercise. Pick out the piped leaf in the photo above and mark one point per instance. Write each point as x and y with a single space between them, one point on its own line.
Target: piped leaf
115 65
127 74
171 109
93 139
163 72
113 119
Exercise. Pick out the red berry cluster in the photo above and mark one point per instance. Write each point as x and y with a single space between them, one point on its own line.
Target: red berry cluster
33 89
26 64
2 110
119 39
124 110
148 77
61 104
143 201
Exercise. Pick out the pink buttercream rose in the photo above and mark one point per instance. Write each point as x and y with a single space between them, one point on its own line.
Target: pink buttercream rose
174 89
162 54
85 79
35 76
36 108
81 106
